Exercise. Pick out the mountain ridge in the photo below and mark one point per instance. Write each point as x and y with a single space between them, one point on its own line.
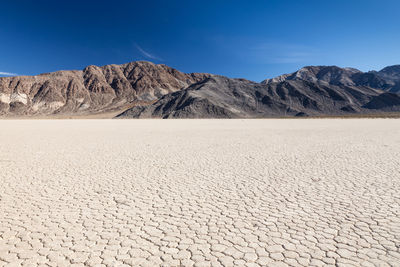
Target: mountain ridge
143 89
221 97
387 79
93 89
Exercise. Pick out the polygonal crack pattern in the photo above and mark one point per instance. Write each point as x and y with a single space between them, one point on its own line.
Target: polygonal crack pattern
200 193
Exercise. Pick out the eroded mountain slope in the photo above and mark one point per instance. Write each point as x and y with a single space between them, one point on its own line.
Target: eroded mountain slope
94 89
221 97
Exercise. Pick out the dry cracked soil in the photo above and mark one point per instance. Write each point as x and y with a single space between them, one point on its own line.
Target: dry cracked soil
306 192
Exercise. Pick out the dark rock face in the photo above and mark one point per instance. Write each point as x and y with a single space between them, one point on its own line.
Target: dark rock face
385 101
95 89
221 97
301 114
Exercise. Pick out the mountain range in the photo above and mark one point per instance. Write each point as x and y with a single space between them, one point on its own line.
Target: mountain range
145 90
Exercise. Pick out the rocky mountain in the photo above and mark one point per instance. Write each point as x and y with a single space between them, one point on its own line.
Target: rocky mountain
92 90
146 90
391 75
221 97
328 74
387 79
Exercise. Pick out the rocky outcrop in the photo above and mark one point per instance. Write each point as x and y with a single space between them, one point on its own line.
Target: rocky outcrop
94 89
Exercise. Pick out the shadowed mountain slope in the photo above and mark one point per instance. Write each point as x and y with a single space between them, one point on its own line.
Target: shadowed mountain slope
221 97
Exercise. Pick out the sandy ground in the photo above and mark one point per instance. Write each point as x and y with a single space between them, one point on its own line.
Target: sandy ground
200 192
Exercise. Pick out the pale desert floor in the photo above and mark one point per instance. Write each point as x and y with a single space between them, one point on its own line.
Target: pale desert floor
307 192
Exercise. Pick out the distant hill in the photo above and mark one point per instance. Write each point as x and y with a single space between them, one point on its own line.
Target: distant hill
388 79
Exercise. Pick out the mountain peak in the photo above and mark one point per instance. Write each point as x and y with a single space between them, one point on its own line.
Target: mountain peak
327 74
92 90
388 79
391 70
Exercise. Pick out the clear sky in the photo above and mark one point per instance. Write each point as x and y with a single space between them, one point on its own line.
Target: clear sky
248 39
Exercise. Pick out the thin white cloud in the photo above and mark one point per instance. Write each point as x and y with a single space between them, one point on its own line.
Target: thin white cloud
7 73
292 57
283 53
147 54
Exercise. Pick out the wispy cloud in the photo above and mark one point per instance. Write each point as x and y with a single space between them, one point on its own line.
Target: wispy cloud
255 50
292 57
284 53
7 73
147 54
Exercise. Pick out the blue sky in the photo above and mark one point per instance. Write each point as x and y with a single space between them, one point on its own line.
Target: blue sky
246 39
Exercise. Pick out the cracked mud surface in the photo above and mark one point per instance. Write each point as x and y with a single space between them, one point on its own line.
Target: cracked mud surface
200 192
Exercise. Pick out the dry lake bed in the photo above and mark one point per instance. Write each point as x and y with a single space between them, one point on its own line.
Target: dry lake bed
304 192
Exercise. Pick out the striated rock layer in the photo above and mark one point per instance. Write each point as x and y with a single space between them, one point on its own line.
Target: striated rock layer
94 89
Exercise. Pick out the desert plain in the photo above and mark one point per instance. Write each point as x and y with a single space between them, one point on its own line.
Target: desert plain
273 192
